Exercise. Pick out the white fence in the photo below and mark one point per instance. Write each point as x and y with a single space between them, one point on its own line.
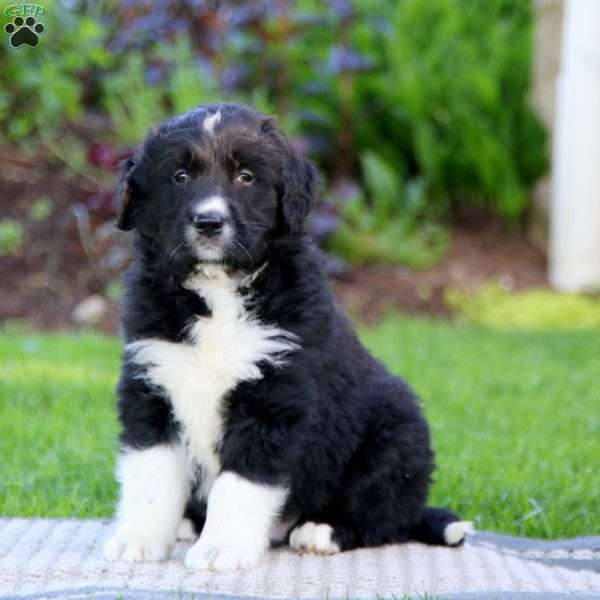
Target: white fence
575 214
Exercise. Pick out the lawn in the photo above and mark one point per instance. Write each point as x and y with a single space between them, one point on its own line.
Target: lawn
515 419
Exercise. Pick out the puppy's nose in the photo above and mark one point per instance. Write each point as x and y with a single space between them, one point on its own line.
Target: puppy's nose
208 223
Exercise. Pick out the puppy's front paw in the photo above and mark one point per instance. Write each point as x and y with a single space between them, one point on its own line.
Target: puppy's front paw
206 556
119 547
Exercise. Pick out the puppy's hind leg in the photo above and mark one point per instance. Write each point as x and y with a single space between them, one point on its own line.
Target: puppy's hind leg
439 526
381 498
154 488
315 538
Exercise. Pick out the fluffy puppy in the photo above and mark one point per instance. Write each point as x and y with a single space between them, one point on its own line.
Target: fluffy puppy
251 414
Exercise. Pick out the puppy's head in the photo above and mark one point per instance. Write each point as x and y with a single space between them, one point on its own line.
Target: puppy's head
216 185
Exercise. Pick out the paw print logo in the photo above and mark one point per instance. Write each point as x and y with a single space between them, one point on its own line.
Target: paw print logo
24 31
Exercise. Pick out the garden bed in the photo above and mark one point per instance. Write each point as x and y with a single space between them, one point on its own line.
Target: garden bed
478 253
63 258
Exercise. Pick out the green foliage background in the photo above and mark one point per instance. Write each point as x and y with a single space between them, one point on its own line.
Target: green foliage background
433 91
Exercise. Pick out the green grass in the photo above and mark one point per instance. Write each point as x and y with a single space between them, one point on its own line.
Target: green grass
515 419
57 424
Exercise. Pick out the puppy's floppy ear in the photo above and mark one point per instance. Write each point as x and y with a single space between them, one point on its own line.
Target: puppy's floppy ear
127 196
298 192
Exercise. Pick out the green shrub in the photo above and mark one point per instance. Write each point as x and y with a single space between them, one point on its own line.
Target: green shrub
134 106
392 227
72 72
452 101
436 88
43 88
493 306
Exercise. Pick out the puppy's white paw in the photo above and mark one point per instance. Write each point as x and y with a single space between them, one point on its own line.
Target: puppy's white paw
205 556
313 537
131 550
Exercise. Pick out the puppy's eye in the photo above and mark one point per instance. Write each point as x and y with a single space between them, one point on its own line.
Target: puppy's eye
181 176
245 176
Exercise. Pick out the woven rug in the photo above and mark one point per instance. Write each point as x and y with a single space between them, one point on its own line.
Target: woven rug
45 558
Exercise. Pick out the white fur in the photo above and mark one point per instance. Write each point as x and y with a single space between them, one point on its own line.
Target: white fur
154 488
225 349
186 532
214 204
313 537
211 121
210 249
454 533
239 516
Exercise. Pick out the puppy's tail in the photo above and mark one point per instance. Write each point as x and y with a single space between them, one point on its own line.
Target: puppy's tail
441 527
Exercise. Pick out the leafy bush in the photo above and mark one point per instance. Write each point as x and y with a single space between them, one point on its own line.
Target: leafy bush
437 89
309 59
45 87
452 95
493 306
392 226
135 106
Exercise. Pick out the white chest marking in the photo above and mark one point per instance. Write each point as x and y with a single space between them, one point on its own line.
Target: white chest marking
224 350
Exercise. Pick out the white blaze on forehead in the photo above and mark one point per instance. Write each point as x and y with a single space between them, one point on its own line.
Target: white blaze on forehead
214 204
211 121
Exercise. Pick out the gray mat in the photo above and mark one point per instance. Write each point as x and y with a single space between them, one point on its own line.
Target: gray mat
45 558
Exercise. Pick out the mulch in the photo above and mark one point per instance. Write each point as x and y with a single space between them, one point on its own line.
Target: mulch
479 252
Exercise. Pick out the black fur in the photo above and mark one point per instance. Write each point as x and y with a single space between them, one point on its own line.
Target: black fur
348 438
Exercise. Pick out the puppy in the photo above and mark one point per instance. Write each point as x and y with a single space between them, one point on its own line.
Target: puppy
251 414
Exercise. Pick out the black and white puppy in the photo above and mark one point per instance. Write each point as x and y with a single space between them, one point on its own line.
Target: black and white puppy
251 414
